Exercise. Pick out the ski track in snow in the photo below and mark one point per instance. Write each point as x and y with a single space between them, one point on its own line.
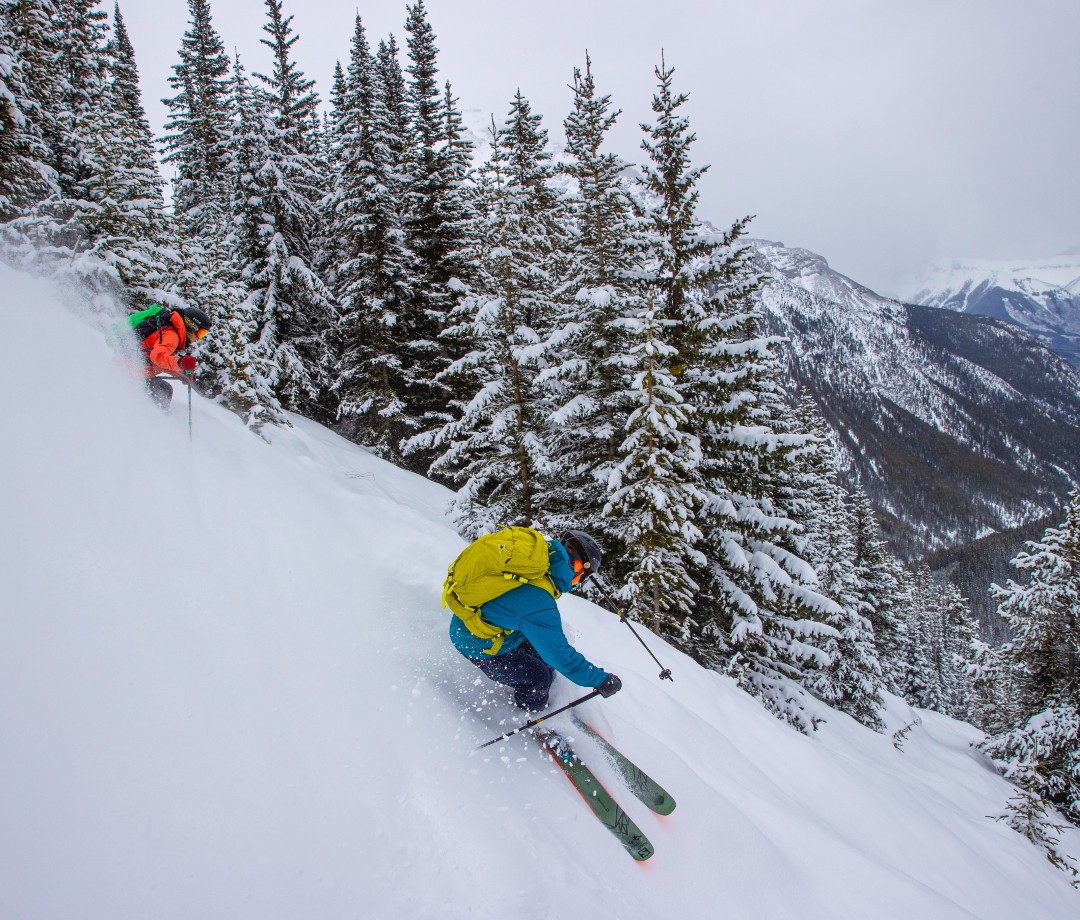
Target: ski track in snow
226 689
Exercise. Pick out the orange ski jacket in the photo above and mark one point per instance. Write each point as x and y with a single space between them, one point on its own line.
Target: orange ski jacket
161 346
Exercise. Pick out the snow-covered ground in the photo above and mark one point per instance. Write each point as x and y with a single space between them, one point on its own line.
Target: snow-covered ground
226 690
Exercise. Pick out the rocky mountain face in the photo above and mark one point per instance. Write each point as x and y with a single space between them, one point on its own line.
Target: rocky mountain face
1043 296
957 425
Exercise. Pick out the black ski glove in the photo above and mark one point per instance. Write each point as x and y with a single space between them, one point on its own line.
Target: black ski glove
610 686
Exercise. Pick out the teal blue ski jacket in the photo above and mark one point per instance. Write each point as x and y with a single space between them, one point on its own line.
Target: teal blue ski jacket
531 613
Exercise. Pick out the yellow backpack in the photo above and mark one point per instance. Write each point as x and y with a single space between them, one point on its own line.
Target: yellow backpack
489 567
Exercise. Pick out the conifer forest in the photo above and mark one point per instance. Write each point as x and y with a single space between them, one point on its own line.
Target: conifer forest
554 332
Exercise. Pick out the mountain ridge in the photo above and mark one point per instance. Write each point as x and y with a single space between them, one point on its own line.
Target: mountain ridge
1042 295
957 425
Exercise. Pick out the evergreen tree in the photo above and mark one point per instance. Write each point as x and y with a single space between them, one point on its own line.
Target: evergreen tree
922 676
852 682
499 447
79 36
205 276
650 509
422 313
112 203
199 127
1027 814
125 80
61 51
294 105
296 308
1042 751
375 281
958 650
391 86
438 223
879 589
756 603
994 706
591 398
260 361
122 212
25 176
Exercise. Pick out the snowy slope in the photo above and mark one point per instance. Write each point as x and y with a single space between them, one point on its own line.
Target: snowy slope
226 690
1042 295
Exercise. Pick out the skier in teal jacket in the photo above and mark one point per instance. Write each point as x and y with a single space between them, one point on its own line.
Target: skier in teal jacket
537 647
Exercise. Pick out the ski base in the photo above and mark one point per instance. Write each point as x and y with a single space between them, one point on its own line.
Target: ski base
598 798
643 786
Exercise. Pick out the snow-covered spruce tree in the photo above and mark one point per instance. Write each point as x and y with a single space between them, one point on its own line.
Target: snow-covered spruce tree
939 651
328 246
756 605
25 176
125 82
650 509
79 36
111 207
879 589
61 47
921 684
344 243
498 450
438 222
375 280
294 105
390 82
199 128
199 131
852 681
958 649
282 199
422 315
253 354
994 707
1027 813
589 384
124 213
1041 753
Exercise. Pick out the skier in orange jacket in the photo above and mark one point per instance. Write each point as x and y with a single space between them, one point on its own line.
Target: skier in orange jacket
162 347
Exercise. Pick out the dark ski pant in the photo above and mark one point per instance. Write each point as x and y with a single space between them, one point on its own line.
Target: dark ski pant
525 671
160 391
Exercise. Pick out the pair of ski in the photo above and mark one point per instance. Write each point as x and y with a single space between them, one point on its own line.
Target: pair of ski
602 803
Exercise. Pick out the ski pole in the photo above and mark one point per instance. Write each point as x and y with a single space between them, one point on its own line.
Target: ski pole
543 718
665 673
191 438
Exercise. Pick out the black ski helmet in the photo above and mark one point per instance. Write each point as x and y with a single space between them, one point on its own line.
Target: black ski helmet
584 547
193 316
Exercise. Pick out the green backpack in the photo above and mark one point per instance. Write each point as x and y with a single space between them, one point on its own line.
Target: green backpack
153 319
489 567
143 323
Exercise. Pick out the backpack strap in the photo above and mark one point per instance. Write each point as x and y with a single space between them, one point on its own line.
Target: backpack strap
472 617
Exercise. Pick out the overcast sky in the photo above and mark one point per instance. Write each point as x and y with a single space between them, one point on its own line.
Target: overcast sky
882 134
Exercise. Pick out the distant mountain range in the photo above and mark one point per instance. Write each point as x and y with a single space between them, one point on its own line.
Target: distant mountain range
1043 296
957 425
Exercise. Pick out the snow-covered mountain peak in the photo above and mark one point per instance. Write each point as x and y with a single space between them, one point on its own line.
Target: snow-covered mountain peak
924 399
1042 295
812 272
1025 275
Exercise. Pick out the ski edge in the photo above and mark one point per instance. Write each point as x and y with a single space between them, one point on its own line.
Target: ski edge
644 787
601 802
